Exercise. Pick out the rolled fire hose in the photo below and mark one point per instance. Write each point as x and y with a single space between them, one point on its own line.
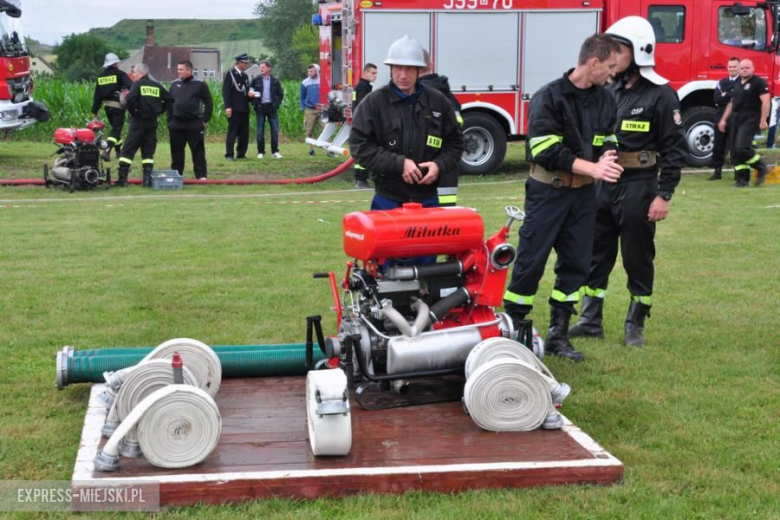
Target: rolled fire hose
177 427
327 411
147 378
507 394
198 357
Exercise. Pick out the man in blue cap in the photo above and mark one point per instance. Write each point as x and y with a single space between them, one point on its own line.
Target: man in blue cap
235 94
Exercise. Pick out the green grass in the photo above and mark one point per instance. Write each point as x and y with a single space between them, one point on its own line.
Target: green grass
693 415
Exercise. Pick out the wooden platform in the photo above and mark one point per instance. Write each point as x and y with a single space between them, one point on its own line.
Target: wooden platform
264 452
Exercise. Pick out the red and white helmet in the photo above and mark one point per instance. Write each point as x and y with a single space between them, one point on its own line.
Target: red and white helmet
637 33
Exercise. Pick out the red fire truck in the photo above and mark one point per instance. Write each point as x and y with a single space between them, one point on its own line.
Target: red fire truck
497 53
17 109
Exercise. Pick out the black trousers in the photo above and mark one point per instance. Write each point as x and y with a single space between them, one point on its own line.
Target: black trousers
621 219
743 155
194 139
560 219
143 137
116 120
238 127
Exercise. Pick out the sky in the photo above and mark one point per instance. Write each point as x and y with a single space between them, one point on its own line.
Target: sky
49 20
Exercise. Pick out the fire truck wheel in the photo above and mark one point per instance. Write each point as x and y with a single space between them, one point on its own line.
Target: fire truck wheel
484 144
699 125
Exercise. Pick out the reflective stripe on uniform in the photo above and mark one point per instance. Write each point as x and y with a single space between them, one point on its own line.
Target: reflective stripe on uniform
519 298
558 296
125 160
448 199
459 118
147 161
542 143
635 126
741 167
593 293
107 80
358 167
753 159
611 138
112 140
645 300
150 91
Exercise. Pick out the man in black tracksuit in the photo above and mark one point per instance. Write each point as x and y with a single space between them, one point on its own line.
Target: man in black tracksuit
750 108
405 134
362 89
187 117
235 94
570 143
724 90
448 186
108 87
651 140
146 100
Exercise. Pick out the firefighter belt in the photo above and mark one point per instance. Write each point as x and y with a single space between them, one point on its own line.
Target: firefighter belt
559 179
641 159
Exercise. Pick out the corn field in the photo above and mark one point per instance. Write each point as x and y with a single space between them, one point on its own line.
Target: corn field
70 105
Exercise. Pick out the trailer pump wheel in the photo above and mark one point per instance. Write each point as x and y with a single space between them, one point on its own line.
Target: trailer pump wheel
484 144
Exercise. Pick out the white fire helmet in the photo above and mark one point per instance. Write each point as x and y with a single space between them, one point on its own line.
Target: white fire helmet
406 51
637 32
111 58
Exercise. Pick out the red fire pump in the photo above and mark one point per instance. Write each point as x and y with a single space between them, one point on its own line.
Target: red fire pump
405 315
79 165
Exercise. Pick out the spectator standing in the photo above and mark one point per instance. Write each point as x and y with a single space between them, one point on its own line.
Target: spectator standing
267 96
235 94
362 89
723 92
187 118
310 97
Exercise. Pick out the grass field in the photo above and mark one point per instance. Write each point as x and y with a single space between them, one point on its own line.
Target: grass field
693 415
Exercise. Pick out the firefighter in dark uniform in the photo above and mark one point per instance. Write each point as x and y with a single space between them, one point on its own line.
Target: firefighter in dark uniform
405 134
723 92
652 151
235 94
570 143
146 100
108 88
748 111
362 89
448 186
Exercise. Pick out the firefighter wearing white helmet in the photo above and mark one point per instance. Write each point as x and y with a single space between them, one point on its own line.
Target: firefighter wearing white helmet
108 89
406 135
652 151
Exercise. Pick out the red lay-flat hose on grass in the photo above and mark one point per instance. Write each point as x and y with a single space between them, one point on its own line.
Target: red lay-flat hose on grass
303 180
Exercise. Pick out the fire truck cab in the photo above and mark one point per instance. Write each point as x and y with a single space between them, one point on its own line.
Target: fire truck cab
498 53
17 109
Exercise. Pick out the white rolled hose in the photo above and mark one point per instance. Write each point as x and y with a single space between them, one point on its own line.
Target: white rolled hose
146 378
178 426
507 394
327 411
498 347
197 356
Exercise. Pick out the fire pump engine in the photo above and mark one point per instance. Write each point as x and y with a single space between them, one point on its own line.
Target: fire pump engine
497 53
17 109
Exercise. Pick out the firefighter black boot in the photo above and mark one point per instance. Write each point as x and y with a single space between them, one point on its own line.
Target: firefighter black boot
557 342
590 323
635 324
147 176
716 175
763 171
124 170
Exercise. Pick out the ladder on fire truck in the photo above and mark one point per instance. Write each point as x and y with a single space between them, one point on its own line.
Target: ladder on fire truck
337 115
